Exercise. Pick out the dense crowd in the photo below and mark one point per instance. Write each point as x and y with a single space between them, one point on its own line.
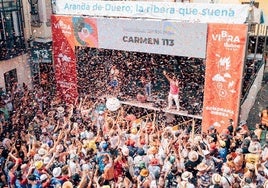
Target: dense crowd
48 143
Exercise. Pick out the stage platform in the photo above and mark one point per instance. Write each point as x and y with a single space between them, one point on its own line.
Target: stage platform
150 106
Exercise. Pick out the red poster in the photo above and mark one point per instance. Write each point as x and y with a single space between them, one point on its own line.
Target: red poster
223 77
68 32
64 58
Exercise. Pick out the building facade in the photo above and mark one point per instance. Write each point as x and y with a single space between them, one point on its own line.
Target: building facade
25 40
13 46
25 47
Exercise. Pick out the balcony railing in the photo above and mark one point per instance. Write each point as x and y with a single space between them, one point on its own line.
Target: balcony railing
12 47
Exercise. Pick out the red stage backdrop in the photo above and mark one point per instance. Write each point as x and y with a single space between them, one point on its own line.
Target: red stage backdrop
224 68
68 32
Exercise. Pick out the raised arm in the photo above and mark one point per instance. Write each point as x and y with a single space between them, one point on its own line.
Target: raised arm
165 74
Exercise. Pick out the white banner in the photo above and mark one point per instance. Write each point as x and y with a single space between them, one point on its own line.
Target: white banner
184 12
153 36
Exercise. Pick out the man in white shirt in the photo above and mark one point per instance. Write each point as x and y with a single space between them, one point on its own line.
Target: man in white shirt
227 178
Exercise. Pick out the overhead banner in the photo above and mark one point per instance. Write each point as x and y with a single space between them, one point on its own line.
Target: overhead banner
151 36
184 12
223 76
68 32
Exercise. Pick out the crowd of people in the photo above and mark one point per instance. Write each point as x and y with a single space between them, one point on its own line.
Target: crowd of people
46 142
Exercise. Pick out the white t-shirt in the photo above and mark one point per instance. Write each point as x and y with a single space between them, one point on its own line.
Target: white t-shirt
166 167
264 153
227 183
72 166
137 160
114 140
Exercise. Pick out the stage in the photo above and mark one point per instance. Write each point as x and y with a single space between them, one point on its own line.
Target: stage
150 105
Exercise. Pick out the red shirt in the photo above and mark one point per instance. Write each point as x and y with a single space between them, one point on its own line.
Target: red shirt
174 88
12 178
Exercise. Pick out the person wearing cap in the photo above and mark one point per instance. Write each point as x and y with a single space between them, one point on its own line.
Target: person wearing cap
170 160
103 150
56 179
203 176
193 160
216 181
39 167
227 179
20 148
211 161
130 143
144 180
186 180
67 184
223 151
250 170
154 168
42 166
243 129
33 181
45 180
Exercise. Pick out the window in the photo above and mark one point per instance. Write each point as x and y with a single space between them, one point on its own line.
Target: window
35 18
10 79
40 12
12 41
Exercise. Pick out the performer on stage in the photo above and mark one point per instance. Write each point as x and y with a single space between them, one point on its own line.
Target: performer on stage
113 79
173 91
144 95
147 84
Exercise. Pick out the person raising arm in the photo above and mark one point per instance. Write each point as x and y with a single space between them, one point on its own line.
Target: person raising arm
173 90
